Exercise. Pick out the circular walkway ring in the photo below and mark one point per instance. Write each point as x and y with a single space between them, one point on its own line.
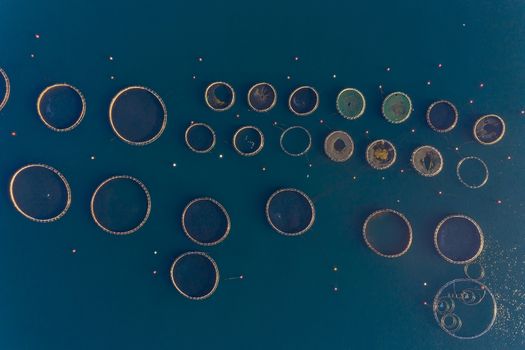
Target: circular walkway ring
41 113
146 215
478 229
312 109
257 150
482 119
281 140
179 289
485 178
221 208
436 152
164 117
398 214
7 93
331 148
302 194
254 90
339 101
209 93
453 108
57 173
408 113
370 158
188 143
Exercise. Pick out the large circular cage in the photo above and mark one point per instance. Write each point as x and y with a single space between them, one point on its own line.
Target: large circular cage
397 107
61 107
205 221
5 92
219 96
489 129
442 116
350 103
458 239
248 141
381 154
200 137
387 233
290 212
195 275
303 101
338 146
262 97
427 161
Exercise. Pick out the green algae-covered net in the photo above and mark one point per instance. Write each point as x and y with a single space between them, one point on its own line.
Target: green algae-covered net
248 141
137 115
5 89
290 212
381 154
442 116
200 137
387 233
303 101
205 221
458 239
40 193
262 97
195 275
351 103
489 129
121 205
397 107
61 107
219 96
338 146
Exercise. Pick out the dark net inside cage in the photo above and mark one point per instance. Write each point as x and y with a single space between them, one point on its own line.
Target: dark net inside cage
194 275
61 107
290 212
459 239
206 221
262 97
304 100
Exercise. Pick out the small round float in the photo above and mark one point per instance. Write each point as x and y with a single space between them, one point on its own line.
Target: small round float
387 233
195 275
350 103
381 154
205 221
458 239
427 161
200 137
303 101
61 107
489 129
397 107
338 146
262 97
290 212
442 116
219 96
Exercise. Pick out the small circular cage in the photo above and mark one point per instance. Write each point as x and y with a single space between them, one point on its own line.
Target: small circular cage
442 116
5 89
290 212
472 172
200 137
458 239
205 221
350 103
248 141
303 101
262 97
338 146
387 233
474 271
295 141
381 154
427 161
195 275
397 107
40 193
137 115
121 205
489 129
219 96
61 107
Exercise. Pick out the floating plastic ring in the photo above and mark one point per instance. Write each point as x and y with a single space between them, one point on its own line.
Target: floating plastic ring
219 96
293 133
205 221
74 109
262 97
195 275
200 137
482 182
303 101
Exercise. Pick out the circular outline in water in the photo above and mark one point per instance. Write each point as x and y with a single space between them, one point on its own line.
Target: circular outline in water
214 138
409 107
217 275
283 134
458 172
372 144
248 154
403 217
305 196
343 135
361 112
164 120
146 216
274 102
56 172
297 90
480 233
500 137
437 152
456 116
79 118
7 93
220 206
219 83
482 286
481 273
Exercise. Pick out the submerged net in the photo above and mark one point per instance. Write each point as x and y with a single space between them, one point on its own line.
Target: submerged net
350 103
61 107
195 275
427 161
458 239
295 141
138 115
262 97
205 221
200 137
397 107
381 154
290 212
338 146
489 129
219 96
442 116
40 193
121 205
248 141
303 101
387 233
5 89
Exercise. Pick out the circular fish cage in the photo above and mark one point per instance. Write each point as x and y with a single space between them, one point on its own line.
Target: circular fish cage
397 107
338 146
137 115
248 141
290 212
472 172
465 308
295 141
387 233
121 205
442 116
427 161
381 154
489 129
350 103
262 97
200 137
303 101
474 271
5 90
40 193
195 275
61 107
219 96
205 221
458 239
